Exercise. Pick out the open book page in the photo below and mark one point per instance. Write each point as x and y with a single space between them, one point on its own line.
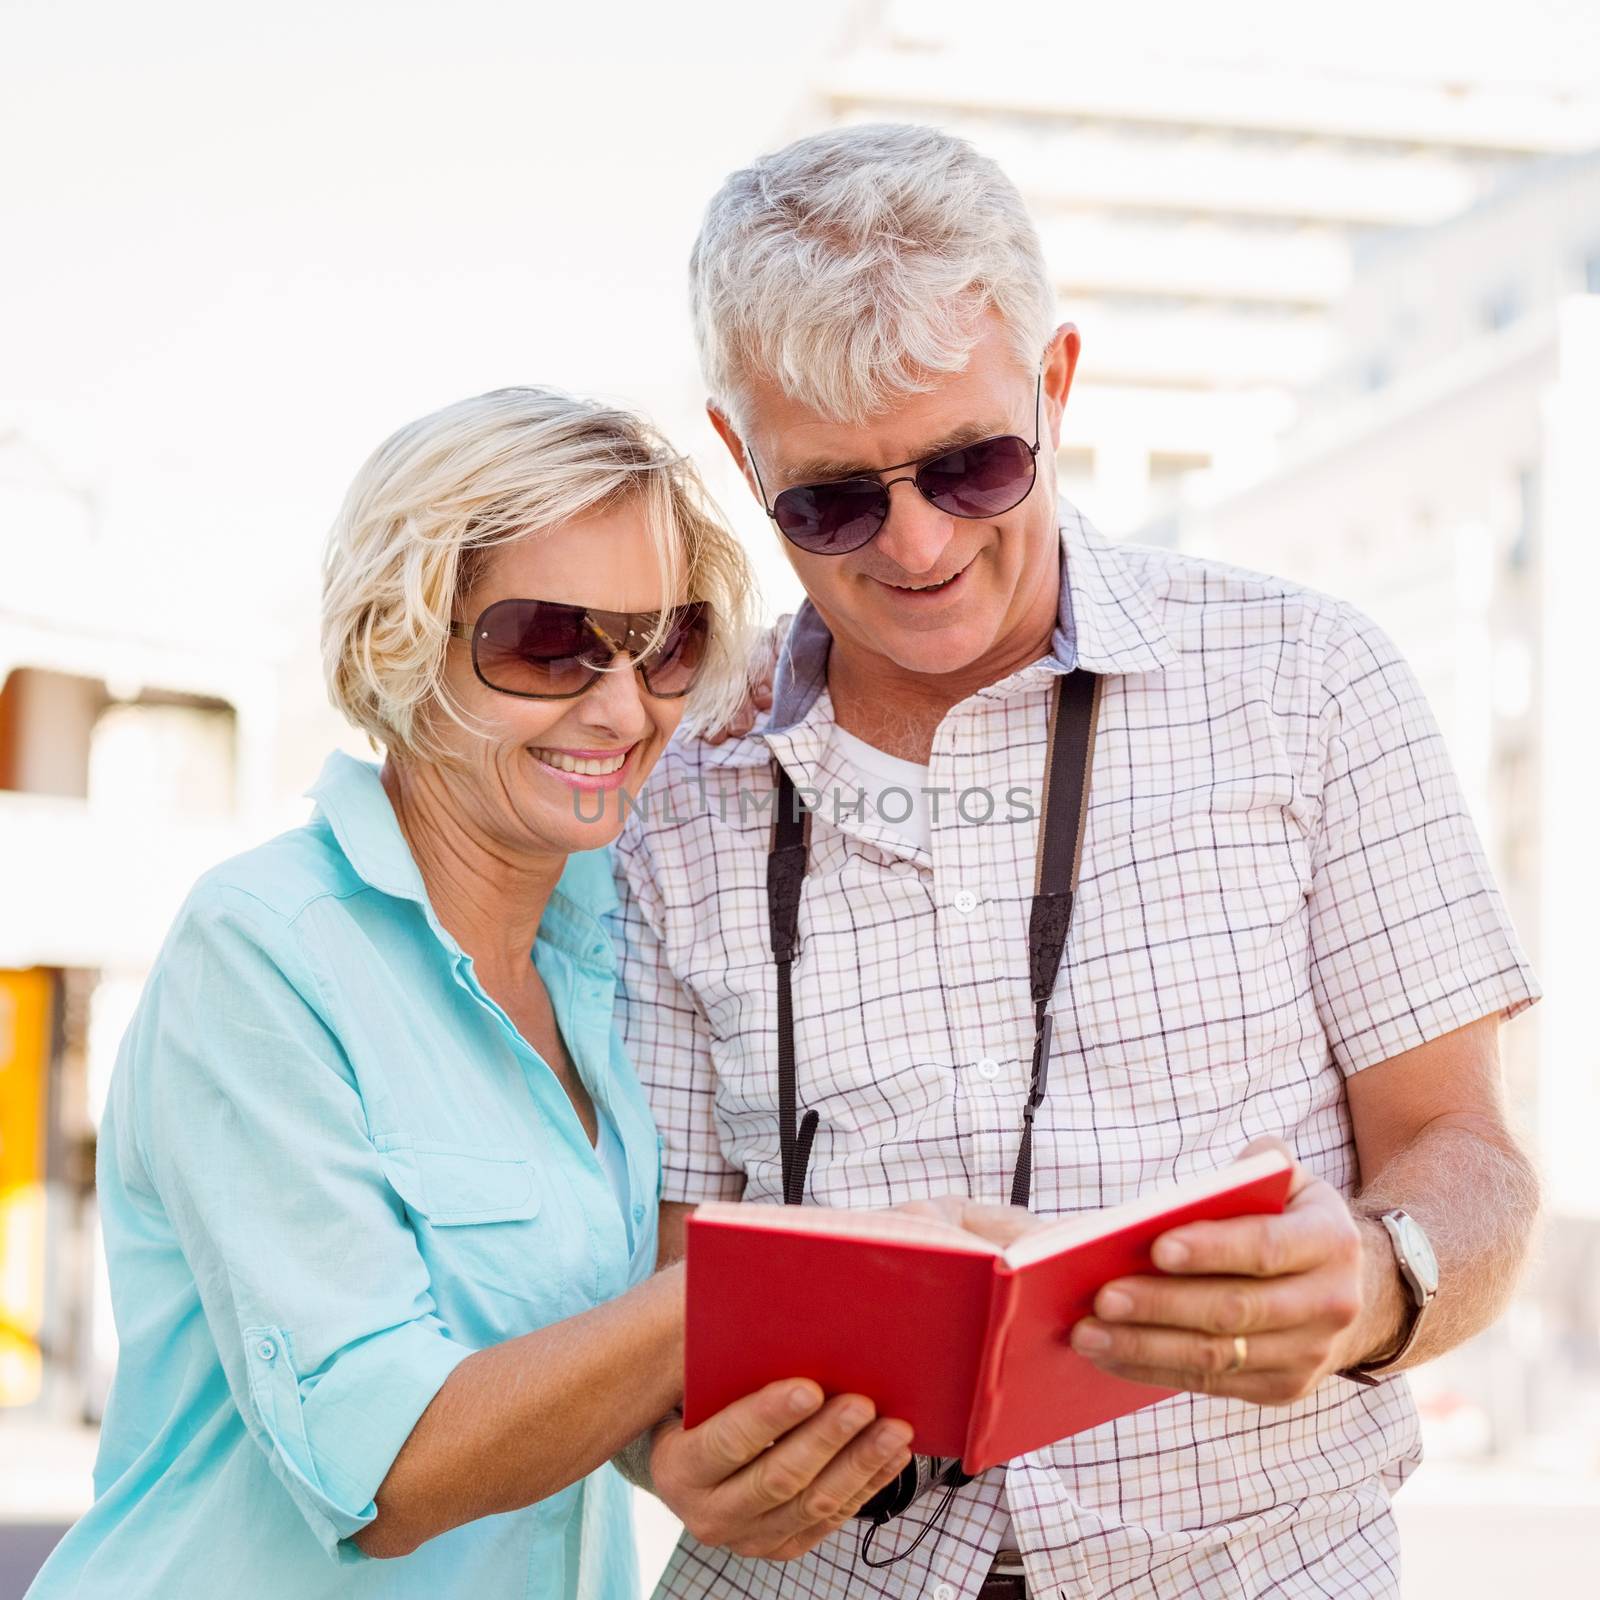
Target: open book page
1050 1240
881 1227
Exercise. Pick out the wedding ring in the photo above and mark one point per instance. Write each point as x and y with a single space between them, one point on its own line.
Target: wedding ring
1241 1354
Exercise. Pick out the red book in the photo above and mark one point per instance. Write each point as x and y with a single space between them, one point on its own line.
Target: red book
965 1341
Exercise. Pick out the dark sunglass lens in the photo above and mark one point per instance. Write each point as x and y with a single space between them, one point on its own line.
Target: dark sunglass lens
830 518
532 647
980 480
673 666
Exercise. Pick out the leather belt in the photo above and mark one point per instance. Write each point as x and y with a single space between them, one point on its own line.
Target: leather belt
1004 1586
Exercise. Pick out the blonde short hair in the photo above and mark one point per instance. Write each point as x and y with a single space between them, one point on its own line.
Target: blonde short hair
849 268
435 499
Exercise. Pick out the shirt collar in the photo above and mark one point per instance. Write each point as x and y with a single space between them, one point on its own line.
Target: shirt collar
351 798
1106 622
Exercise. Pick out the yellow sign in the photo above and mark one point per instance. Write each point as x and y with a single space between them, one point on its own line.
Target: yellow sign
25 1007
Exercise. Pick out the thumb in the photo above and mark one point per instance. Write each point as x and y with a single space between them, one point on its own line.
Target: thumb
1298 1178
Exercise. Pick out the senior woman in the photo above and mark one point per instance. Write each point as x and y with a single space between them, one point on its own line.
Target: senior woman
379 1190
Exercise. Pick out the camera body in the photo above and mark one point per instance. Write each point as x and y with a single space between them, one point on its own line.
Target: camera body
919 1475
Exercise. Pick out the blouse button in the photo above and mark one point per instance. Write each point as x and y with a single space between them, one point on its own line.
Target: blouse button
267 1350
638 1213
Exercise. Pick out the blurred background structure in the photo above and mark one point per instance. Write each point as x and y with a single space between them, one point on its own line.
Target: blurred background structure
1338 278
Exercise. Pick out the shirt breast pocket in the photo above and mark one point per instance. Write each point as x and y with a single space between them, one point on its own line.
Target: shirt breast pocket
479 1218
1191 954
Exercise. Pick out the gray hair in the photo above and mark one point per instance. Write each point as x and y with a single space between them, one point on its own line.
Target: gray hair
849 268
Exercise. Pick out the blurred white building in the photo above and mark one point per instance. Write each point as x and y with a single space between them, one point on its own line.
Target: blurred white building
1446 477
1203 179
138 728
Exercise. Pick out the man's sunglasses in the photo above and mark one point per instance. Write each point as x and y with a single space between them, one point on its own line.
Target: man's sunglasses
973 480
543 650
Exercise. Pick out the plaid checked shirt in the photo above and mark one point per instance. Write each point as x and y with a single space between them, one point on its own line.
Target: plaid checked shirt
1280 887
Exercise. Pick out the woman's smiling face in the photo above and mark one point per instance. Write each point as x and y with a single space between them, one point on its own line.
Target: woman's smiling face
539 775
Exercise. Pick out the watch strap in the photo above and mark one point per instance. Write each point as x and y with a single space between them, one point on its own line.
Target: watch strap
1371 1373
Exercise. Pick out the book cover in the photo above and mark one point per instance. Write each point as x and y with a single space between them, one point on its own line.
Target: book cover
965 1341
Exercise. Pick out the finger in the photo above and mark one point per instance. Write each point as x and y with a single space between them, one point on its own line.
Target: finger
740 723
1311 1233
945 1209
1261 1388
808 1538
729 1441
1001 1225
1191 1356
844 1483
777 1475
1219 1305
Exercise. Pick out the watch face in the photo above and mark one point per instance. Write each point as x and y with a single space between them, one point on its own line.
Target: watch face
1418 1253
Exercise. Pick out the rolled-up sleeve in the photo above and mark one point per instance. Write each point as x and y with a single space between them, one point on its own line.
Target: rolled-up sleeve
254 1136
1409 936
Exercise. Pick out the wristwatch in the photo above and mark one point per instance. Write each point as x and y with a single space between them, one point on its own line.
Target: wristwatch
1419 1272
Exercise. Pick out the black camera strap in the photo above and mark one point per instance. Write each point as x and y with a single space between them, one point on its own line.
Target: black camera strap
786 872
1068 763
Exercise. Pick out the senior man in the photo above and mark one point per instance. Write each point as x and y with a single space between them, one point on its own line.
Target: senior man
1284 926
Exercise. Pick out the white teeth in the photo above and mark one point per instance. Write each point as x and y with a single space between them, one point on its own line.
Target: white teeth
584 766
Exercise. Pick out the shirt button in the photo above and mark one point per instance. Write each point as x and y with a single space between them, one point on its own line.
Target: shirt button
966 902
638 1213
989 1067
944 1591
267 1350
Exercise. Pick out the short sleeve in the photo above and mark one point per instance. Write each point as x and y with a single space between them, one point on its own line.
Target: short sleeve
667 1038
1409 936
253 1136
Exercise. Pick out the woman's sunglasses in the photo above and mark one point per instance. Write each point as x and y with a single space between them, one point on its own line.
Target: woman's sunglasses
974 480
543 650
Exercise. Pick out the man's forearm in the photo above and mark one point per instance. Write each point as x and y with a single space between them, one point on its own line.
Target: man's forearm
1476 1196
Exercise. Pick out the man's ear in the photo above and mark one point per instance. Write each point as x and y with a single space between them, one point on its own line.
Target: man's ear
730 437
1060 363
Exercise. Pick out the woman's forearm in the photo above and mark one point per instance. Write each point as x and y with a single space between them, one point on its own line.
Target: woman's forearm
519 1421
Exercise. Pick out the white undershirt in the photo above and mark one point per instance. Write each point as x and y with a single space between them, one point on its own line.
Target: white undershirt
889 780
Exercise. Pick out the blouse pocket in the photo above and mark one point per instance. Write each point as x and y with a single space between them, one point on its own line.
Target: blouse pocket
477 1217
455 1186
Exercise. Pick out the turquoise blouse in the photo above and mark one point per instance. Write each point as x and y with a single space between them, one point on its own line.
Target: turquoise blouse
330 1169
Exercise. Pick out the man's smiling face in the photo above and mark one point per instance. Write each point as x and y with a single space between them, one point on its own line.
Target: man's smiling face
933 595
